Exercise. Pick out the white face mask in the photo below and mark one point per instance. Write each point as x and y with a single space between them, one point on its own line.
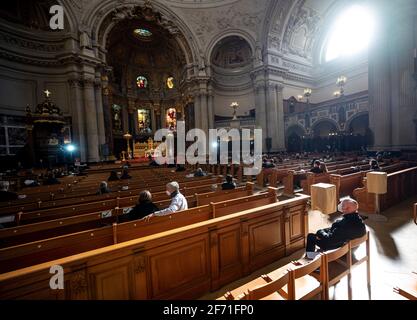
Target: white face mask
339 208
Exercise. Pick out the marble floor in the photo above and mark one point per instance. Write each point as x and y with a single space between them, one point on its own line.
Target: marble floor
393 256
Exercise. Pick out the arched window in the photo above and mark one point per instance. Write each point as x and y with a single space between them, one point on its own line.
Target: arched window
141 82
170 82
350 34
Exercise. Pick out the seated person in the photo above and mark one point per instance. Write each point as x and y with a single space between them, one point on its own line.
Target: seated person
144 207
199 173
349 227
316 168
229 184
51 179
5 194
267 164
178 201
125 174
180 168
374 166
113 176
323 167
127 165
103 188
152 162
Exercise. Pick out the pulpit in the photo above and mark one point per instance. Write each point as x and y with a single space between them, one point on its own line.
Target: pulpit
46 132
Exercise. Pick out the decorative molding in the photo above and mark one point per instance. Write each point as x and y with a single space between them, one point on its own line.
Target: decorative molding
78 282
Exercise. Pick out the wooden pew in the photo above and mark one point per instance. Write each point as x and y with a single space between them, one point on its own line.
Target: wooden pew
206 198
58 247
84 198
401 185
182 263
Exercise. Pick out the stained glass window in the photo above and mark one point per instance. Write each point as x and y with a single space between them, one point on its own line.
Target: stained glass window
171 119
142 32
144 121
141 82
170 82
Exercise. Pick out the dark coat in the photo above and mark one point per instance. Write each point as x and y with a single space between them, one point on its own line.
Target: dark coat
349 227
140 211
228 186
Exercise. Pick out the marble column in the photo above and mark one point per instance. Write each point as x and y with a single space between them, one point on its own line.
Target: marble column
78 118
392 93
380 90
280 122
90 112
197 111
100 115
204 113
108 124
260 106
272 115
210 109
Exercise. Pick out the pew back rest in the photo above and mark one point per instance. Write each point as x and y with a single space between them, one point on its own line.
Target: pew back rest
140 228
223 195
224 208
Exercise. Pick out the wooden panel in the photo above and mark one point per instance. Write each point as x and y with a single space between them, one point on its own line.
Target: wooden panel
186 264
229 248
266 235
112 281
296 225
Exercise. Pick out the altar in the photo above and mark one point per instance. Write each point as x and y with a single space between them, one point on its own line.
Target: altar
145 149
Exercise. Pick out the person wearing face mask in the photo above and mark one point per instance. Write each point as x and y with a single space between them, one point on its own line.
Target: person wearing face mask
178 201
349 227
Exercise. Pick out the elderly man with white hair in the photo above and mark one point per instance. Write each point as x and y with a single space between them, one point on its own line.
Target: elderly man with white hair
178 201
349 227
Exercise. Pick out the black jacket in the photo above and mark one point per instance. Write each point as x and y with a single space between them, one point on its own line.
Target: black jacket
316 170
349 227
228 186
140 211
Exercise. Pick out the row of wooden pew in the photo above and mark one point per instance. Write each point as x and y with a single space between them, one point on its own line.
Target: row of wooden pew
184 255
62 223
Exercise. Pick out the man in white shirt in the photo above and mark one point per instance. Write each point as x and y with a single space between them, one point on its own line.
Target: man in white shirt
178 201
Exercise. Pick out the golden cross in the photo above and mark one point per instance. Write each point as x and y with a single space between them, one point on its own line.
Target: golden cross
47 93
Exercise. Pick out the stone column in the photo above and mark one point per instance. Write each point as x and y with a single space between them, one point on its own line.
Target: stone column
260 106
90 112
197 111
100 115
210 109
78 118
133 119
204 112
280 122
380 89
108 123
272 115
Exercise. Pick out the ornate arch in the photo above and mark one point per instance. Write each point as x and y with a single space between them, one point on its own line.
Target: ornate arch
295 128
229 33
276 20
322 120
103 17
354 117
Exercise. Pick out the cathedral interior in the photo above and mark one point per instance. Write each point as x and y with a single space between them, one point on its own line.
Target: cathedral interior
92 81
137 67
